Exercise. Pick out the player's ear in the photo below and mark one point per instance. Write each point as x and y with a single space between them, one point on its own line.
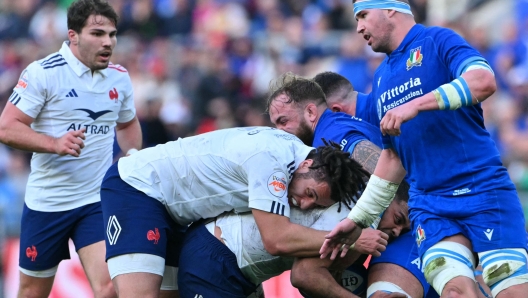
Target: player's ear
73 37
311 110
336 108
305 165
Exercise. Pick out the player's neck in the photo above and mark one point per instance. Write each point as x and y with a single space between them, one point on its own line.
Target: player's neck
400 31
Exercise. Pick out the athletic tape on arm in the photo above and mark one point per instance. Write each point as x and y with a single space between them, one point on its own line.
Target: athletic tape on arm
375 199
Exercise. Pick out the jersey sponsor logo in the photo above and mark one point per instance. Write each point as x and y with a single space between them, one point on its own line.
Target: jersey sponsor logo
418 263
31 252
462 191
113 229
489 233
94 115
153 235
277 184
420 235
91 129
415 59
114 95
379 81
396 92
72 93
23 80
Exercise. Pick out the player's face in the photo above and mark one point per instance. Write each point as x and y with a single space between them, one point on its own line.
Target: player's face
93 46
395 220
304 192
290 118
376 29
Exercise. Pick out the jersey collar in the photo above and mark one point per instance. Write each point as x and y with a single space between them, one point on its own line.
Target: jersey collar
413 33
78 67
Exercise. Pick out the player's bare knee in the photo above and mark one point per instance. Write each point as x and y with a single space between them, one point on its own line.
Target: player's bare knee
504 268
105 290
453 290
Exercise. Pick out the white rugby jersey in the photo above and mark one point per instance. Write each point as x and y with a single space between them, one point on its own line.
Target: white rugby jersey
61 94
241 234
208 174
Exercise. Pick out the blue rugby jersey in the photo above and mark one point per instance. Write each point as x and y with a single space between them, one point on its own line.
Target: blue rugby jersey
366 109
345 130
445 153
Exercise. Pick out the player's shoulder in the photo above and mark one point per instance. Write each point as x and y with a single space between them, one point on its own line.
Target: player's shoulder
436 32
50 63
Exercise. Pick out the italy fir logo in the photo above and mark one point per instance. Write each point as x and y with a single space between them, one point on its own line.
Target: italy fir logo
420 235
415 59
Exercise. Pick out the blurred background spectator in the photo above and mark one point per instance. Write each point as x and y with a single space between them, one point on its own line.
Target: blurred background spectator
200 65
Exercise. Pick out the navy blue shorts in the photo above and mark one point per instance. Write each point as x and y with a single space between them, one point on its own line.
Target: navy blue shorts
403 251
209 269
44 235
137 223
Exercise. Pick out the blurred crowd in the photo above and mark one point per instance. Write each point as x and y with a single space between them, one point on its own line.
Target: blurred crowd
201 65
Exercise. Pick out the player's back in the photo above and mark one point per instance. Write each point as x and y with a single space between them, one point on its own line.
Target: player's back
205 175
345 130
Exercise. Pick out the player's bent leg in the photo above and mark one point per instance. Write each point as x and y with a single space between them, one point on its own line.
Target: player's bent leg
36 284
449 268
505 271
392 278
137 275
93 261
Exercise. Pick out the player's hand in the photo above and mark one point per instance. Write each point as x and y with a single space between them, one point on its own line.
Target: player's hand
340 238
71 143
371 242
392 121
382 294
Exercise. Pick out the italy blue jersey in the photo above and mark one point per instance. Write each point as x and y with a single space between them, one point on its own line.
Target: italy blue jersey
366 109
345 130
446 153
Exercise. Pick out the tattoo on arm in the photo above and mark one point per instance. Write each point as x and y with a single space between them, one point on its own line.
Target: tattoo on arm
367 154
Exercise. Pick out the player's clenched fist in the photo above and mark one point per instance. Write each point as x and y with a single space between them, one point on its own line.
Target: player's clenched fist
71 143
371 242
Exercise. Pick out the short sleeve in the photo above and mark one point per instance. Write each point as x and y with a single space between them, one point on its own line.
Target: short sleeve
30 93
128 110
455 51
268 180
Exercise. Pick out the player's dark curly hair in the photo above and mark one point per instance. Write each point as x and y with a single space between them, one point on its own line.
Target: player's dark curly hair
297 88
332 82
80 10
345 176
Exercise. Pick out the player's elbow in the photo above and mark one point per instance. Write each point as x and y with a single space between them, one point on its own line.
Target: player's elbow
487 85
274 247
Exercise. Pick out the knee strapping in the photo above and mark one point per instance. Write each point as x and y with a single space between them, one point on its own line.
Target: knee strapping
445 261
503 268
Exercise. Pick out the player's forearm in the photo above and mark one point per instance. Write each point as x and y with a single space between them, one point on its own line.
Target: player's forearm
295 241
129 135
312 276
20 136
389 166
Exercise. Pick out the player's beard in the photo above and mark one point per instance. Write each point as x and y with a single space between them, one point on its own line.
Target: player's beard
305 133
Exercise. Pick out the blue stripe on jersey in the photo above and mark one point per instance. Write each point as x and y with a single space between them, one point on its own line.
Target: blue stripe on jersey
13 95
50 58
463 97
277 208
57 60
290 164
74 93
466 63
444 97
55 65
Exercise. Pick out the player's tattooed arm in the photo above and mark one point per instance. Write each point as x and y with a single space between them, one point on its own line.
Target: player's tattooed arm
367 154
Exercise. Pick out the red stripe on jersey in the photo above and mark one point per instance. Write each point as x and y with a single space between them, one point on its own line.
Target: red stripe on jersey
117 67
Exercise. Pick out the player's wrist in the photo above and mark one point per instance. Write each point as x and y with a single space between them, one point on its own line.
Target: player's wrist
453 95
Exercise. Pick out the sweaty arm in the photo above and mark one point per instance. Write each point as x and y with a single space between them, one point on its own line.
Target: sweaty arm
129 135
284 238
